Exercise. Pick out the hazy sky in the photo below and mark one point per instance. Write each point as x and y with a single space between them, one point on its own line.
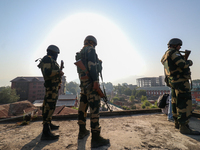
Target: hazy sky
132 35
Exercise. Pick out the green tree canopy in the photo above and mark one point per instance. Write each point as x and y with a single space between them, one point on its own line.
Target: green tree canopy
143 98
8 95
128 91
132 98
73 87
139 93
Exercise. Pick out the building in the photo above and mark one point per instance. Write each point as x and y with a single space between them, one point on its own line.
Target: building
155 91
195 91
150 81
32 88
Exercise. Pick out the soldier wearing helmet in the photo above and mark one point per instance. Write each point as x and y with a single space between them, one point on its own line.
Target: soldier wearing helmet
89 84
52 77
177 75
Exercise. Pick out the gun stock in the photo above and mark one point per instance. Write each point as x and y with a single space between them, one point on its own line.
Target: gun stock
61 65
187 53
80 64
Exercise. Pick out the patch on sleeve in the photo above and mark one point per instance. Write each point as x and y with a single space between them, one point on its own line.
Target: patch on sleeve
178 54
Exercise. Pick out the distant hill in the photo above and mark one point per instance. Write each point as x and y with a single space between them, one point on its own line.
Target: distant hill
129 80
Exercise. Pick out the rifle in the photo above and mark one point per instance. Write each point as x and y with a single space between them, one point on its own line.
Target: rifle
187 53
61 65
61 68
102 94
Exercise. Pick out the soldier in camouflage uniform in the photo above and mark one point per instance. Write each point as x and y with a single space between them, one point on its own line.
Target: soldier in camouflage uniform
177 74
52 76
89 84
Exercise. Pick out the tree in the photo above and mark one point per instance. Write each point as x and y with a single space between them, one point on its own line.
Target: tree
119 89
133 107
143 98
134 92
139 93
146 103
8 95
73 87
128 91
115 99
132 98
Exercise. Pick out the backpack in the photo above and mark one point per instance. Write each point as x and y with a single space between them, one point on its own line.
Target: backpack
162 99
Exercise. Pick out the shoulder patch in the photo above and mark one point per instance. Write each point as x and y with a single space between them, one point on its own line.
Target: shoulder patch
178 54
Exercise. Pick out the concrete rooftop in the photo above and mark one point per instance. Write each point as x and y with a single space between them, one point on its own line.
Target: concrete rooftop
150 131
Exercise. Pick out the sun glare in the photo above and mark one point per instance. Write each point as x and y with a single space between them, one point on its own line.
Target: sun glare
120 58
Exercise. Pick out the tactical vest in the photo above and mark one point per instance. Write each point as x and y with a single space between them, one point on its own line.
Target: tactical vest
172 71
83 56
54 66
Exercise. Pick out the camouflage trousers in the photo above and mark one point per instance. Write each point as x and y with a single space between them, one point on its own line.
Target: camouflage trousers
181 101
49 103
89 97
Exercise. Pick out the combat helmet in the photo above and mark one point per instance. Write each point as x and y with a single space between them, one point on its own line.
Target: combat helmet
91 38
53 48
175 41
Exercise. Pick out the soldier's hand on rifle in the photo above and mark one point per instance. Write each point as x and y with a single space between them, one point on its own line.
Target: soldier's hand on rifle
61 73
96 87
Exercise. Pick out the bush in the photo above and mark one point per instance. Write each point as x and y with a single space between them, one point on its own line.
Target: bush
143 106
125 108
146 103
143 98
153 106
115 99
132 98
133 107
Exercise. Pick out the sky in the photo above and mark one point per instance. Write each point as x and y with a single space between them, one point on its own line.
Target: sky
132 35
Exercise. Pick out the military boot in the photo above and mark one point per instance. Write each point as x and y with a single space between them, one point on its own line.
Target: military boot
82 131
176 123
185 129
53 127
97 140
46 133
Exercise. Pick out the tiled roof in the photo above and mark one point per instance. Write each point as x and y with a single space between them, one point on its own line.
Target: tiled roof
16 109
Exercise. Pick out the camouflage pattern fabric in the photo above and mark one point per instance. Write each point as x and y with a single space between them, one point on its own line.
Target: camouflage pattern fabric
92 63
176 68
89 97
49 103
50 71
181 101
178 74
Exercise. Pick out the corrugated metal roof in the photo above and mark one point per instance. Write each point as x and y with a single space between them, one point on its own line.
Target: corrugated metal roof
67 97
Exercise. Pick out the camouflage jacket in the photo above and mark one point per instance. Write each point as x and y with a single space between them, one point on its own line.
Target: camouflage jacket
50 70
91 62
175 66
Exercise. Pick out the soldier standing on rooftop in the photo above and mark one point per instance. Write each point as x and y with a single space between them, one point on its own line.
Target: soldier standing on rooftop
89 84
177 74
52 76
